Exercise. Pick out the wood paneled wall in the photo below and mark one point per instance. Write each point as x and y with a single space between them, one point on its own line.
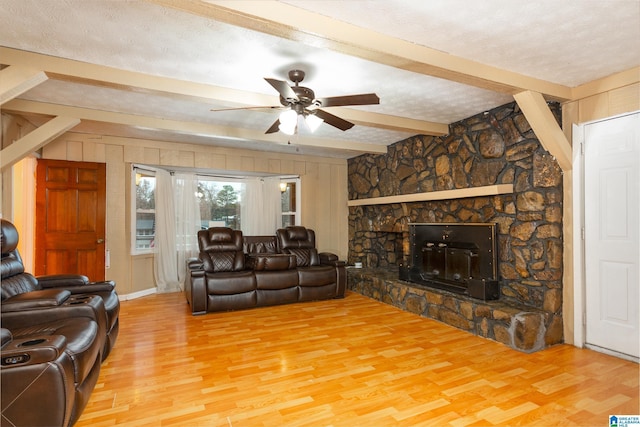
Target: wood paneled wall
323 180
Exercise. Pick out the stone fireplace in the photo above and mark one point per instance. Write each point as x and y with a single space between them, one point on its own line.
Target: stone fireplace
493 148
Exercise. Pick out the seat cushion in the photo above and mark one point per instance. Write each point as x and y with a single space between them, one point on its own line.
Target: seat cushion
276 279
230 283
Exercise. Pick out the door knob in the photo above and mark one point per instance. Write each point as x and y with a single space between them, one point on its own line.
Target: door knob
100 241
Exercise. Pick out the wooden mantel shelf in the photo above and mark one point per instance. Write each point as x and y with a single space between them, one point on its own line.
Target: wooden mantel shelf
460 193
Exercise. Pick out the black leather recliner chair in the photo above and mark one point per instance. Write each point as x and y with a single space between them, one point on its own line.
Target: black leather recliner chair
16 286
48 371
55 338
36 369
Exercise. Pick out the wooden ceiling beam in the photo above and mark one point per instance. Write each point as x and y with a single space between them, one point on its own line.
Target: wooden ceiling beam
388 122
35 140
15 80
20 106
545 126
110 77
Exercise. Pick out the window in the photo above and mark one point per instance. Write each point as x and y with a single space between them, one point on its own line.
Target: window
219 203
219 198
145 211
290 189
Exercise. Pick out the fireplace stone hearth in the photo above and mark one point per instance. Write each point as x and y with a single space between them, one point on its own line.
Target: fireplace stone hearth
522 328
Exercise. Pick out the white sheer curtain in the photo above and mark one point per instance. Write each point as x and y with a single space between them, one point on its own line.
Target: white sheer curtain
165 265
185 187
261 208
273 205
177 223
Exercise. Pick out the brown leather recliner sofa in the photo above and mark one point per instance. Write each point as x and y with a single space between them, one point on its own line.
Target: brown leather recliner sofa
236 272
56 331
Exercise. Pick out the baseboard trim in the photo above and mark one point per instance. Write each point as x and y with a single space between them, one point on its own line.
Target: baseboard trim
614 353
138 294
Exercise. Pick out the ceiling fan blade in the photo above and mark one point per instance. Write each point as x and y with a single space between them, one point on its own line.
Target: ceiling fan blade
270 107
334 121
275 127
362 99
283 89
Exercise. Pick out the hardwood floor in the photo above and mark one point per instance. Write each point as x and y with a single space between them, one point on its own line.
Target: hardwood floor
350 362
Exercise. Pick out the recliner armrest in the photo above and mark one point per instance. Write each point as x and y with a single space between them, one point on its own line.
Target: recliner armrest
195 264
93 287
33 350
31 310
62 280
328 258
45 298
76 284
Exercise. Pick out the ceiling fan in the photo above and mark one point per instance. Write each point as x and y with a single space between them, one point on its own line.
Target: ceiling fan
300 102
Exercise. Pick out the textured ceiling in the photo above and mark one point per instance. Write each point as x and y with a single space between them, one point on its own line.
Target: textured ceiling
568 43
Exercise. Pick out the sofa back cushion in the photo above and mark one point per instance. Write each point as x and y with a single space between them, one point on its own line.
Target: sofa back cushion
301 242
221 249
260 245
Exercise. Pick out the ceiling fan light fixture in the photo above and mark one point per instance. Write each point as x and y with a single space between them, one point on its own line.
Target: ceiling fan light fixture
288 118
313 122
288 122
288 130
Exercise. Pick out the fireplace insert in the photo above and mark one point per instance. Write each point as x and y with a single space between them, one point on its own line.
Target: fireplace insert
461 258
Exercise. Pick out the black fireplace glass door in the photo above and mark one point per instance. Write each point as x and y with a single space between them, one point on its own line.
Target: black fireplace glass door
433 260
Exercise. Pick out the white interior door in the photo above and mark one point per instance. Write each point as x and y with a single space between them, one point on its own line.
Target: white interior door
612 231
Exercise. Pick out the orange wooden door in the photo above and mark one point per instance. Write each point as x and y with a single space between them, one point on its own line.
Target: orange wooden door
70 218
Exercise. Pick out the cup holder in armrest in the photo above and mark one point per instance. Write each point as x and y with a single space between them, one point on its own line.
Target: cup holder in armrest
32 342
81 299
